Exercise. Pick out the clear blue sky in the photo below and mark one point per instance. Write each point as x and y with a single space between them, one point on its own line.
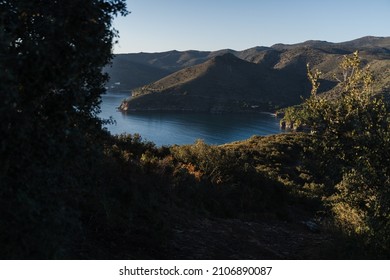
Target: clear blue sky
162 25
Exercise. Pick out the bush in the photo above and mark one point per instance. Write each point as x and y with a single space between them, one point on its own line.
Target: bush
224 181
354 145
52 55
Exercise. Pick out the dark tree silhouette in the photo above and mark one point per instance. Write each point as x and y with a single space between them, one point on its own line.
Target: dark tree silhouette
51 59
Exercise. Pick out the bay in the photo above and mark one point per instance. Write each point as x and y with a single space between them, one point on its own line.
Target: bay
169 128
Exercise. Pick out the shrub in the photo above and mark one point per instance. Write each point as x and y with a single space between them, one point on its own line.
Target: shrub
354 145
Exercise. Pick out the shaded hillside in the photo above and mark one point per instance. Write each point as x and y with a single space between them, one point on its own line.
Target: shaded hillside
126 75
263 78
137 69
222 84
130 71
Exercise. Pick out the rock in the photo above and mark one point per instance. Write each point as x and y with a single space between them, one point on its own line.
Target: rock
312 226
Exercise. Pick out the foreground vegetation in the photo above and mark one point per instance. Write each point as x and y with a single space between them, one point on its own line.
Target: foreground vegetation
353 133
70 190
136 201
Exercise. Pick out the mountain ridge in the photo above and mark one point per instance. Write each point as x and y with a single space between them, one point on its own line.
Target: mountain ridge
260 77
224 83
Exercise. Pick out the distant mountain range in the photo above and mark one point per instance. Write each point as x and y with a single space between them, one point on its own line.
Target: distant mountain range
256 79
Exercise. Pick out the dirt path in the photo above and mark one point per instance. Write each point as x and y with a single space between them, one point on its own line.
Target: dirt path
237 239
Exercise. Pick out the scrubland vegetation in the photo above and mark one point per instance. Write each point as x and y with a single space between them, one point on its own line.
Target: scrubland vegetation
70 190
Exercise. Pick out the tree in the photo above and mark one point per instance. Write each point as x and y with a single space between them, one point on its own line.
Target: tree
353 142
52 54
51 59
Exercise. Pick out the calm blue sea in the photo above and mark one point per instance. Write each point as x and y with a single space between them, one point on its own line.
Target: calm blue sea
168 128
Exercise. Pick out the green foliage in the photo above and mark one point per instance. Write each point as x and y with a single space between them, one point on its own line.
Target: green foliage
51 146
229 184
353 142
68 189
217 164
288 160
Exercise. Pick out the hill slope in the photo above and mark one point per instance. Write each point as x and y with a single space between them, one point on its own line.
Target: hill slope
224 83
126 75
259 78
